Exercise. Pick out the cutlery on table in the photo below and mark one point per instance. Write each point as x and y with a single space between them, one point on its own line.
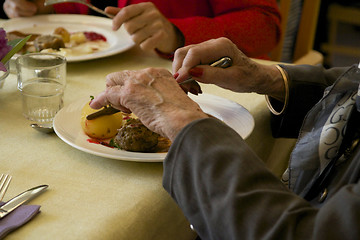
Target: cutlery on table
51 2
223 62
42 128
20 199
4 184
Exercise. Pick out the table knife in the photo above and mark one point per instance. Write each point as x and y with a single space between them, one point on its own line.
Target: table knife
223 62
107 110
20 199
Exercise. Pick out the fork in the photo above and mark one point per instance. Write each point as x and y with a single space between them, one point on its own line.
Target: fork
51 2
4 184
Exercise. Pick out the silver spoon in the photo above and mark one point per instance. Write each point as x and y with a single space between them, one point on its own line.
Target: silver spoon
51 2
42 128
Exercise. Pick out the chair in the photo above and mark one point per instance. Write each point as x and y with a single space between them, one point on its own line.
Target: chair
299 20
341 14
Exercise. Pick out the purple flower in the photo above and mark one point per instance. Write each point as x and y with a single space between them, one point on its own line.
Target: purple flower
2 67
4 48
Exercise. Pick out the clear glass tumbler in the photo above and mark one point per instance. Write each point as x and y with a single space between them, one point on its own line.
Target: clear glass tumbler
41 81
4 75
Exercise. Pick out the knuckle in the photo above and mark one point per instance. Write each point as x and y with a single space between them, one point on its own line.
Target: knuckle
153 14
158 26
130 27
148 4
179 52
131 89
136 38
150 70
146 46
125 12
193 52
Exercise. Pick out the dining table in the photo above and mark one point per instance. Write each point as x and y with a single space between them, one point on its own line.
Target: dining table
96 197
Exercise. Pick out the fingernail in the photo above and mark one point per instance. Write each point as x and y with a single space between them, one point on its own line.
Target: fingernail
196 72
176 75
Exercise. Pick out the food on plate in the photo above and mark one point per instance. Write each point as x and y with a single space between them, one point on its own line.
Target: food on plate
63 42
123 131
77 38
29 45
65 35
48 41
17 34
135 137
103 127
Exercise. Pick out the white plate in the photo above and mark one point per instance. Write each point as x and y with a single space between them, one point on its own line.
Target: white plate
119 41
67 127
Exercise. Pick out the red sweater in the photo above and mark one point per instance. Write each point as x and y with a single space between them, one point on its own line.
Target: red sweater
253 25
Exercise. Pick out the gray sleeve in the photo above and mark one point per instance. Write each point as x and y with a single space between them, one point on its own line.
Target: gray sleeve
306 87
226 192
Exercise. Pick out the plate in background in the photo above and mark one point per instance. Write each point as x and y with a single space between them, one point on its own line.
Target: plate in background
119 41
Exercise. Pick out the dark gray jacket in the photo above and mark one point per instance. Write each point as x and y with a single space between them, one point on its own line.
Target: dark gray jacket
226 191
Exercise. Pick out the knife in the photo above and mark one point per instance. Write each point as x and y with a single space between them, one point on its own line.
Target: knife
107 110
20 199
223 62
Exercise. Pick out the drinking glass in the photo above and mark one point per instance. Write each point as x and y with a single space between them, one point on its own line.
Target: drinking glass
4 75
41 81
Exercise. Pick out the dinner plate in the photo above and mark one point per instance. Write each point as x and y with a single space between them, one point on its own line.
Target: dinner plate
67 126
119 41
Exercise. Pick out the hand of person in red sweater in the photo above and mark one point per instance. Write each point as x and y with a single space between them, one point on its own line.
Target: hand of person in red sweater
25 8
147 26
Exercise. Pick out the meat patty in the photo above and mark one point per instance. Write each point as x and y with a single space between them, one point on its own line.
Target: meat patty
134 136
48 41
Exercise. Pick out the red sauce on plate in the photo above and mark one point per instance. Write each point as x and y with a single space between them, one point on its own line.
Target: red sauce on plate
93 36
91 140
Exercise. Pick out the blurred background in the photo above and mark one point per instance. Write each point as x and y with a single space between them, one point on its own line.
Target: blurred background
336 33
319 32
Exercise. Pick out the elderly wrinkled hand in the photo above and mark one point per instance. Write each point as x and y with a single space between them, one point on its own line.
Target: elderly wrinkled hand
153 96
147 26
245 75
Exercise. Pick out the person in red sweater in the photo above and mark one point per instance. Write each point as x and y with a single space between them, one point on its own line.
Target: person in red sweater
253 25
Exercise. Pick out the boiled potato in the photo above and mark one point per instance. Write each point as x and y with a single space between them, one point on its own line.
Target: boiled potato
78 37
102 127
63 33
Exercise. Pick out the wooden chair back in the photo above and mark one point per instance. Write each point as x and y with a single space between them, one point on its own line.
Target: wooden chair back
305 34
